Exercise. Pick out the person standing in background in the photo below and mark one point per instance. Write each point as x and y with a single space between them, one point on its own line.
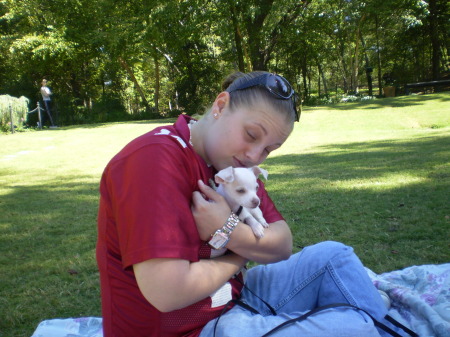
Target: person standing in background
46 92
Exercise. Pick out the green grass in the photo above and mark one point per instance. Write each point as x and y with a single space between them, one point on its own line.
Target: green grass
375 175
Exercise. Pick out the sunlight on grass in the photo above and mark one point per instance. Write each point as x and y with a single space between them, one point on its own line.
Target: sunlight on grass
373 175
386 182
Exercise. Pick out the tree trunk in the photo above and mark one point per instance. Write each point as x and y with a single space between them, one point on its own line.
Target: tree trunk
355 68
254 27
344 72
237 36
342 64
124 64
309 80
435 43
256 56
367 66
377 28
321 74
305 78
318 82
261 45
157 80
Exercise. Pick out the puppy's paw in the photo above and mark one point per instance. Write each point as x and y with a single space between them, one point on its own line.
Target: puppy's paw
262 222
258 230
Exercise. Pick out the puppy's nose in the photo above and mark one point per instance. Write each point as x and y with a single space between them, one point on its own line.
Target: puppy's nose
255 202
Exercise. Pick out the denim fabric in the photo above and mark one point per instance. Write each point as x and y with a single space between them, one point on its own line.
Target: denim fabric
47 114
326 273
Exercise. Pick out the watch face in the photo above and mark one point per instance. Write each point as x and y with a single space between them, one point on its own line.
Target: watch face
219 240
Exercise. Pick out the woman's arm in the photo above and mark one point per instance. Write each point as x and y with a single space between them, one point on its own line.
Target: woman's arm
210 214
276 245
171 284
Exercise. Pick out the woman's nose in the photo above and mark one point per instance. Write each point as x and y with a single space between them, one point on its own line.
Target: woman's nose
255 155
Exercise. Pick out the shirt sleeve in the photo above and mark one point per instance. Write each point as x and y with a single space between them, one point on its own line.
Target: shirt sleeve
151 191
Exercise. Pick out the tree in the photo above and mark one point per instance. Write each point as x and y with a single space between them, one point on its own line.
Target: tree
439 28
138 59
258 27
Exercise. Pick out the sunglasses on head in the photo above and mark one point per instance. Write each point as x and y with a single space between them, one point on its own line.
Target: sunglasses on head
277 85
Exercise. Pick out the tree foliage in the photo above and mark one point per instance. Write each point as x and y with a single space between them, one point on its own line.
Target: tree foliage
110 59
13 112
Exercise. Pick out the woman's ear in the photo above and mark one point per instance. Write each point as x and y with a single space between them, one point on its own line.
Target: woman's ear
220 103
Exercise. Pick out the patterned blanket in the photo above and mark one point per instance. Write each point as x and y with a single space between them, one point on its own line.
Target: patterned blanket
419 296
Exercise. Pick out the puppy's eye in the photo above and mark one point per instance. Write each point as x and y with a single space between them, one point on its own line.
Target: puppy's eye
241 190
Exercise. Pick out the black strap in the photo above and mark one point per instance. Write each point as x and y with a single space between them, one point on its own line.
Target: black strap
337 305
312 312
246 306
319 309
401 326
272 310
316 310
238 302
238 212
300 318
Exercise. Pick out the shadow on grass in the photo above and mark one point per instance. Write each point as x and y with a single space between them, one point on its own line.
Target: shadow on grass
47 257
387 199
353 193
364 159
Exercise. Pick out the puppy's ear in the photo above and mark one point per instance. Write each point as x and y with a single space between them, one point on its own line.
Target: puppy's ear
224 176
258 170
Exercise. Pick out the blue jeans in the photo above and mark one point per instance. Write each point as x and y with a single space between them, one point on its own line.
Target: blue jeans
325 273
47 115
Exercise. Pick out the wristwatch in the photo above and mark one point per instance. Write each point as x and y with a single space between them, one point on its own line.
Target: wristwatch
221 237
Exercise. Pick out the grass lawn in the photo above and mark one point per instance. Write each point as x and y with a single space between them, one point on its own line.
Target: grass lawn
375 175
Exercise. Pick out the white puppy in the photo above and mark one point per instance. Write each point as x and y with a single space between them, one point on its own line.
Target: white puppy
238 186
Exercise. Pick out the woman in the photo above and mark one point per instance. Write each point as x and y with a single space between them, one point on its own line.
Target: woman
46 93
160 277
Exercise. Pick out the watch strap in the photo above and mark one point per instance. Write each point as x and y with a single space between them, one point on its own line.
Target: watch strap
221 237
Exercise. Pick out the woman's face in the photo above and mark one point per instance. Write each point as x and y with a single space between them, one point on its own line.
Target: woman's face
245 136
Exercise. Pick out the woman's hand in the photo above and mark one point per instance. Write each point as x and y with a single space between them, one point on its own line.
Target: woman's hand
210 210
276 245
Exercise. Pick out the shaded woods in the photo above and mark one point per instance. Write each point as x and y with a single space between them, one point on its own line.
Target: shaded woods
115 60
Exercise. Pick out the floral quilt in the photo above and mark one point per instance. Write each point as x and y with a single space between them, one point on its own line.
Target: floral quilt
70 327
419 295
